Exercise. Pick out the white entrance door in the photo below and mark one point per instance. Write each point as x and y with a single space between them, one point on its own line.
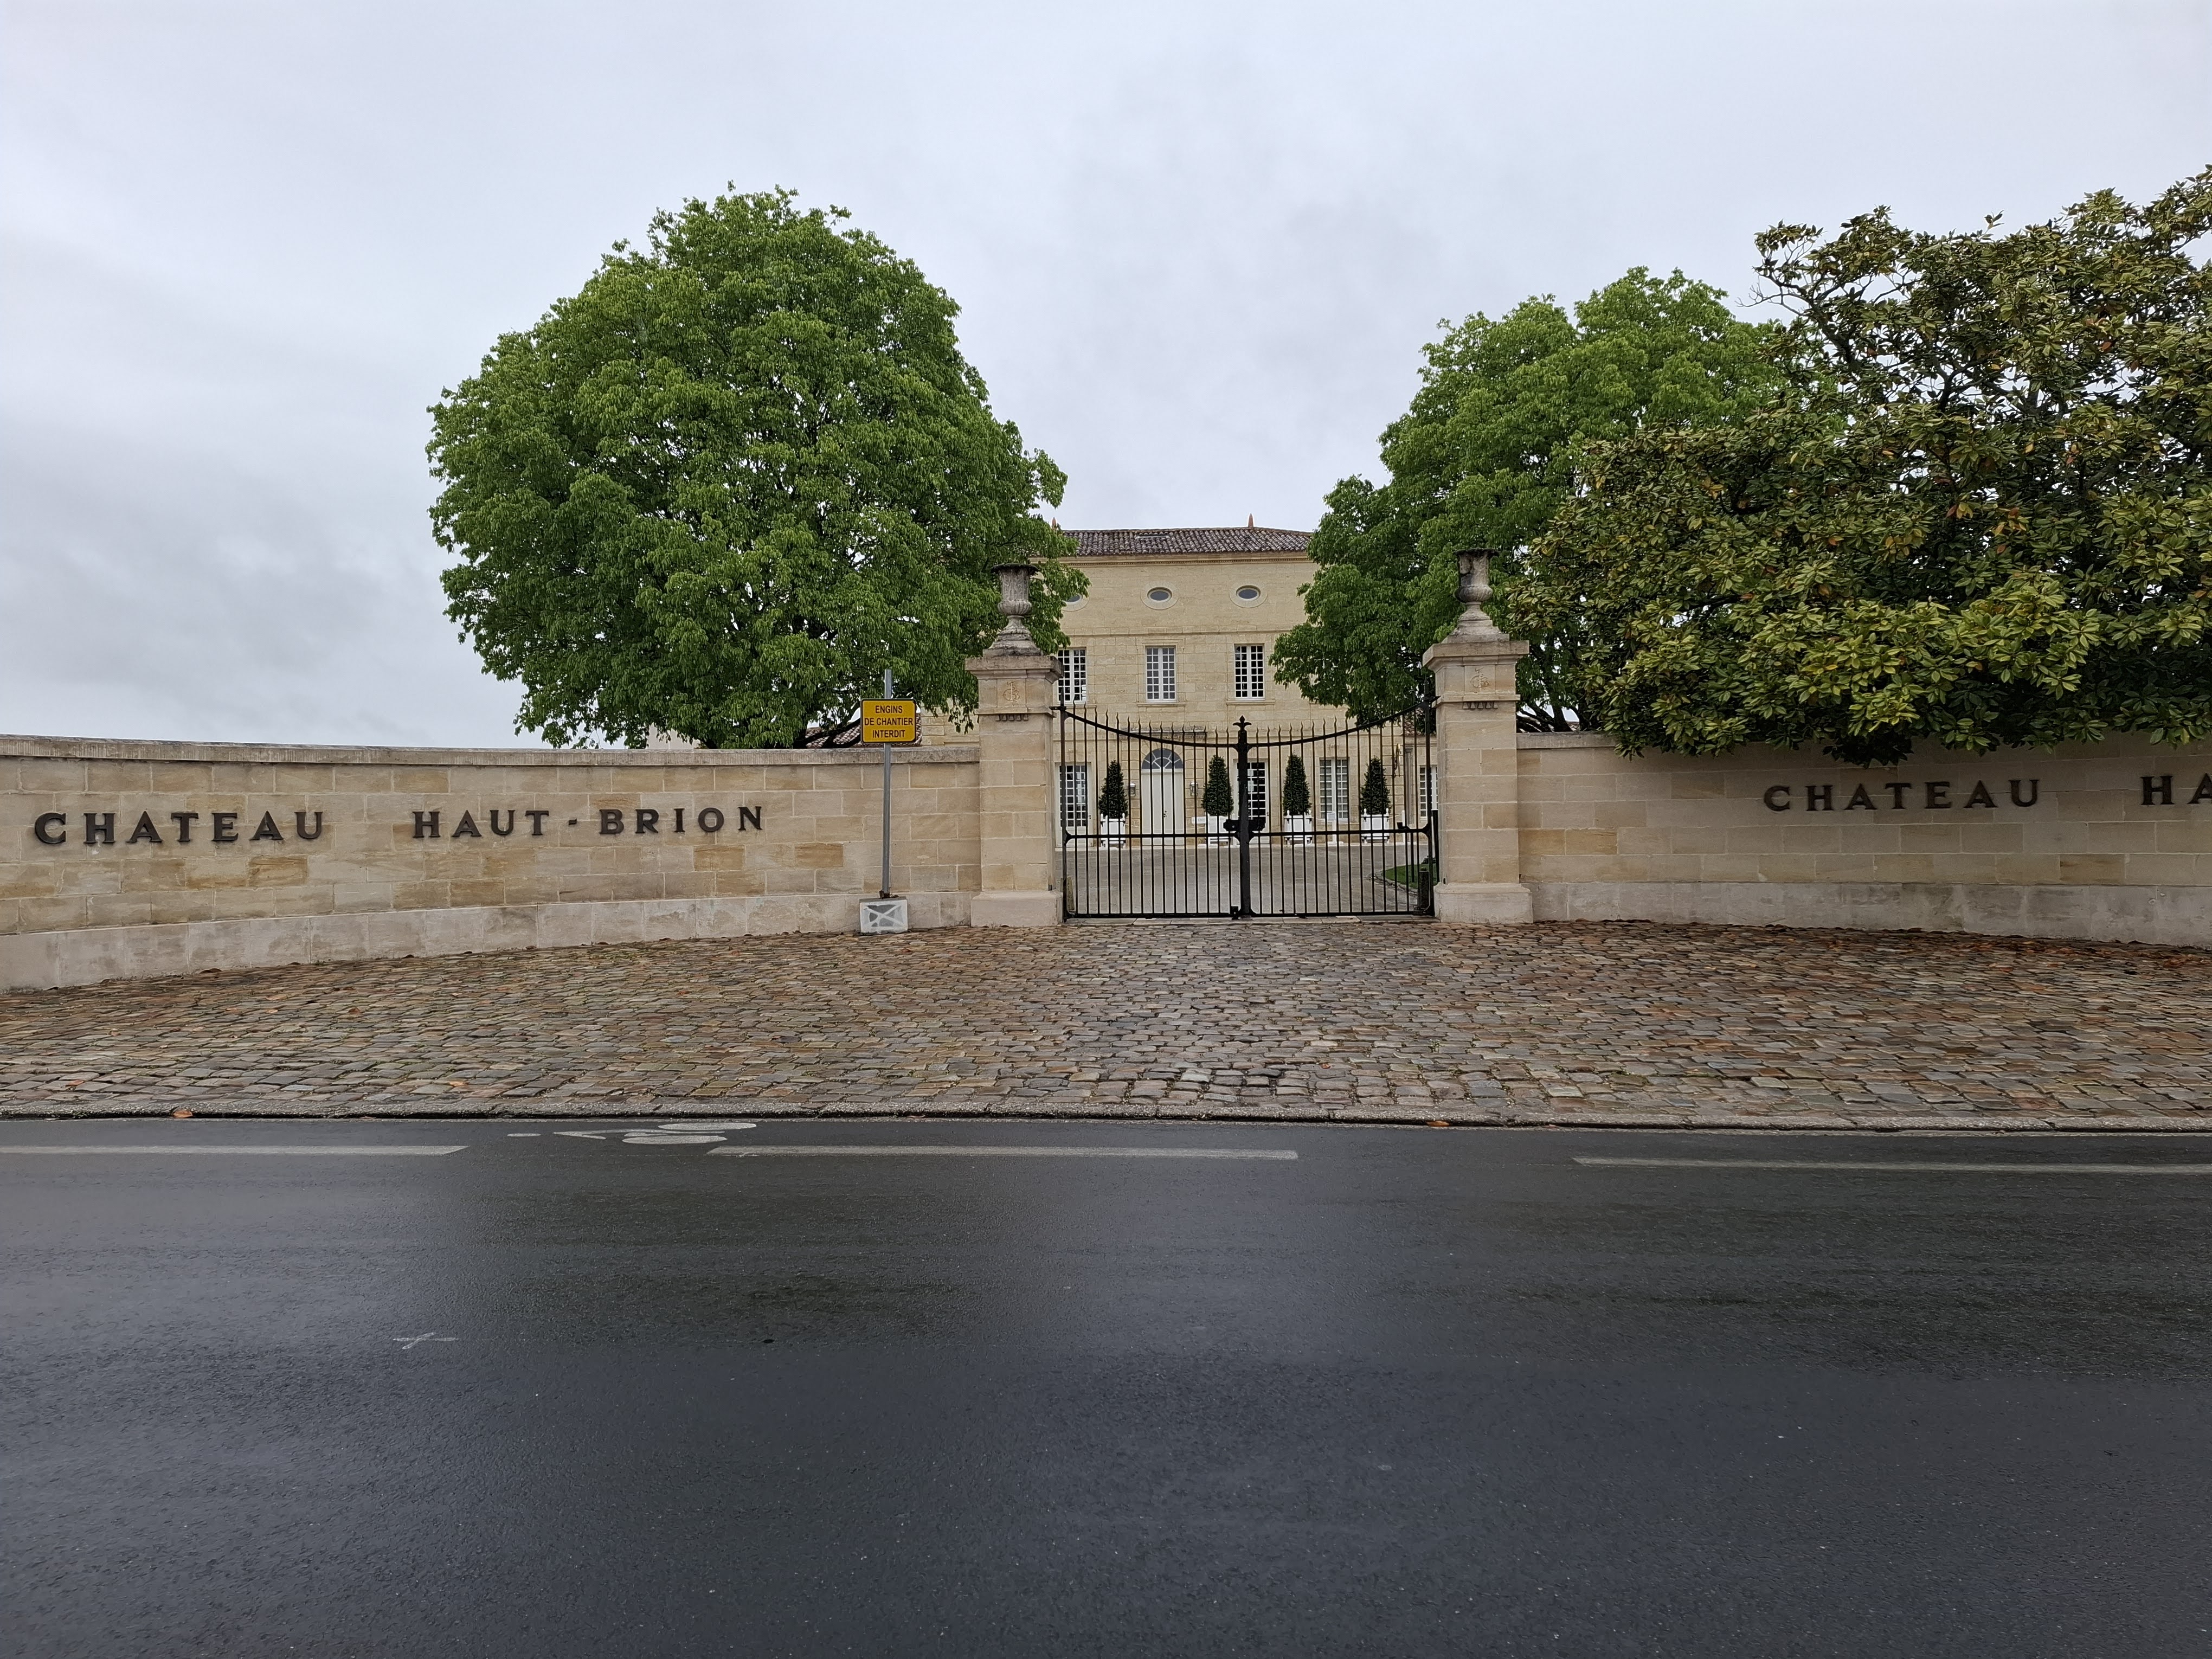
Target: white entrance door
1160 784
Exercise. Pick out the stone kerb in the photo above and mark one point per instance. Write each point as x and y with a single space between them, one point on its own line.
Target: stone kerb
1019 885
137 859
1478 762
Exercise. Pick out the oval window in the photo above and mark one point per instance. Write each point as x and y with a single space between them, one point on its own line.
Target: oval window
1160 596
1248 593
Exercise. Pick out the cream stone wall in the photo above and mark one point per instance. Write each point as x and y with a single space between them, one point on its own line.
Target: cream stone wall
98 879
286 854
2071 843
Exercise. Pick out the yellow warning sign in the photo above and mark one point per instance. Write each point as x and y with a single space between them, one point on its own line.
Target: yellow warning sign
890 719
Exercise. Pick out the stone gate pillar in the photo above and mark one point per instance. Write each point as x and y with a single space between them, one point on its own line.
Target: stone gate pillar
1478 762
1014 740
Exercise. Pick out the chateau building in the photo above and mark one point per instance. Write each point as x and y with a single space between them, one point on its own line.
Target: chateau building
1177 637
1179 629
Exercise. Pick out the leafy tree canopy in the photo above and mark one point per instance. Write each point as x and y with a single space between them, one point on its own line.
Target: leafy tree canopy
1984 518
1485 458
723 487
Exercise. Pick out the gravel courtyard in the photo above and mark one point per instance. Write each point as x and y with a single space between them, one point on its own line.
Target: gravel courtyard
1625 1023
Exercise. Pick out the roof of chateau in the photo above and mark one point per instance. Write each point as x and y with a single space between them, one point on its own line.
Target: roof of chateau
1238 538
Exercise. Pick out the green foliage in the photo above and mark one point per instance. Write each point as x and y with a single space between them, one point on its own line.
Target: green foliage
1375 792
1297 795
1113 799
1485 458
723 487
1219 801
1985 519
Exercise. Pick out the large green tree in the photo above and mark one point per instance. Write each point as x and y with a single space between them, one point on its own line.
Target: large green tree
723 488
1984 518
1485 458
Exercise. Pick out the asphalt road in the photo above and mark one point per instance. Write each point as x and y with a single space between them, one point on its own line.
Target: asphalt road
1410 1392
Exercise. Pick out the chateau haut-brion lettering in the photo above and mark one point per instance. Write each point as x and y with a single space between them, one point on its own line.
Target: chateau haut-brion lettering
1939 793
1936 794
114 826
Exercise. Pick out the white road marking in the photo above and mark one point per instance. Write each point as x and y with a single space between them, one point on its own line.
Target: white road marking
410 1342
1969 1169
991 1152
264 1151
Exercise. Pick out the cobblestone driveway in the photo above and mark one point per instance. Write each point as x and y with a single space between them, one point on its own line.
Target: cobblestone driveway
1620 1023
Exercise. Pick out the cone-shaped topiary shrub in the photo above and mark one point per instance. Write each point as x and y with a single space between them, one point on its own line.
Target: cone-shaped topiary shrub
1113 799
1297 799
1375 793
1219 799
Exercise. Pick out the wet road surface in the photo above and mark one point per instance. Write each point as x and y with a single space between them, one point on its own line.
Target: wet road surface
585 1389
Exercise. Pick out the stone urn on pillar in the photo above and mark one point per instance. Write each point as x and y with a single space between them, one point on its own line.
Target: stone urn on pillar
1478 760
1014 793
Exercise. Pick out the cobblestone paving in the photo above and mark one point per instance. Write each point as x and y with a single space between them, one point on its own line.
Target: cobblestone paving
1617 1023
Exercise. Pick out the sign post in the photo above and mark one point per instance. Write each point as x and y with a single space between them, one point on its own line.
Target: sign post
888 723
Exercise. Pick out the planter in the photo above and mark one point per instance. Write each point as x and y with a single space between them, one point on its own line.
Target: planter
1112 832
1299 829
1374 826
1215 834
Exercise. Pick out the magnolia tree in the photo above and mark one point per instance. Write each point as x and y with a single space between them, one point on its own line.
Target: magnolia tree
730 483
1981 516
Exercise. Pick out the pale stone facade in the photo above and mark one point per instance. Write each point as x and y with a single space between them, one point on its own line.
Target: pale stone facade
123 860
1199 595
2089 840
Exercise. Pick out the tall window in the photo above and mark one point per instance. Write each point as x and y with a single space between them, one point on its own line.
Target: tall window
1159 673
1075 799
1335 789
1255 794
1251 671
1075 674
1428 793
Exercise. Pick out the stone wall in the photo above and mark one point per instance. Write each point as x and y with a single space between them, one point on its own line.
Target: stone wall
2107 840
134 859
129 860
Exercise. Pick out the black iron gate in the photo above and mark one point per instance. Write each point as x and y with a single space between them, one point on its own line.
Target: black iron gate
1169 821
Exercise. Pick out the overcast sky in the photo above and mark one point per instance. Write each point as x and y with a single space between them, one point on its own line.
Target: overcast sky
1198 248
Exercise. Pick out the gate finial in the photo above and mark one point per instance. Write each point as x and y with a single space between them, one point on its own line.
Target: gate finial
1014 589
1014 604
1474 622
